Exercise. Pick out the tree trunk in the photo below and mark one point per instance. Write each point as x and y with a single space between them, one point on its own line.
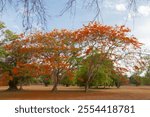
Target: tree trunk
12 85
118 84
54 89
86 86
21 87
104 85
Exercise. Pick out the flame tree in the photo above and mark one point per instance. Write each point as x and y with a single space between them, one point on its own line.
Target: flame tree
51 54
108 42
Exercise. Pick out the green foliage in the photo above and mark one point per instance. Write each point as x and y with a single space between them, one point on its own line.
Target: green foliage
135 79
10 36
81 76
67 81
116 80
138 80
2 38
6 35
2 25
3 52
102 75
26 80
46 80
145 81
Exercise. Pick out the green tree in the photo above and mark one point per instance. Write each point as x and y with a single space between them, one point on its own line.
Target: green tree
146 78
67 81
46 80
135 79
7 59
101 75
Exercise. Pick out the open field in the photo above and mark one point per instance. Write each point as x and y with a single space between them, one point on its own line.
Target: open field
37 92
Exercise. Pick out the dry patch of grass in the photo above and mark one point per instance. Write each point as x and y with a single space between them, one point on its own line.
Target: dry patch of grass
38 92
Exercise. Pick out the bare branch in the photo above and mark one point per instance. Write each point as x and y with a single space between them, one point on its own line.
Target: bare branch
69 5
33 12
97 4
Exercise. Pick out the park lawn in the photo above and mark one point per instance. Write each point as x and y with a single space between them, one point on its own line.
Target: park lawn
40 92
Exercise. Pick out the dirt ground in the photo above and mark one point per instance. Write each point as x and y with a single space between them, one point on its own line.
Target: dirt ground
39 92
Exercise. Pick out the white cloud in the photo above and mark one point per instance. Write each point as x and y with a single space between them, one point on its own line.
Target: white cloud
131 15
144 10
120 7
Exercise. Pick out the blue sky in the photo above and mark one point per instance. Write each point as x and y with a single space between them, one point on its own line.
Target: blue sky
114 12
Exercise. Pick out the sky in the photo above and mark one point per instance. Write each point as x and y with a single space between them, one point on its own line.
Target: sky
114 12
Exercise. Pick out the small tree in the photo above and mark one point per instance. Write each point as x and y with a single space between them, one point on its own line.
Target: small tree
135 79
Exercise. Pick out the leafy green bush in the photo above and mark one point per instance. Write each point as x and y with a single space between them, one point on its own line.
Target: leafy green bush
135 79
46 80
67 81
145 81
